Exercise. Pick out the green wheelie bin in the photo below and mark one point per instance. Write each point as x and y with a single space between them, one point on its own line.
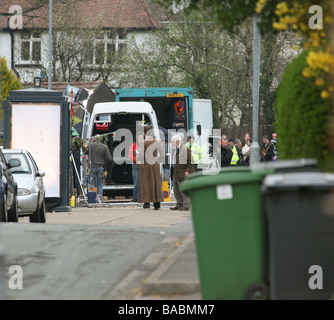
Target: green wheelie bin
229 227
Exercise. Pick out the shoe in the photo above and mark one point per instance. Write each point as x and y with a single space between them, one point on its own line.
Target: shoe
156 205
146 205
184 209
174 208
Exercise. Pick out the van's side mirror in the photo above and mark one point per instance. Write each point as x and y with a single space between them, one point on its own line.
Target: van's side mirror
199 129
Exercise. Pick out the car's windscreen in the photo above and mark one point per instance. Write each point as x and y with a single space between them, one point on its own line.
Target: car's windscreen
24 168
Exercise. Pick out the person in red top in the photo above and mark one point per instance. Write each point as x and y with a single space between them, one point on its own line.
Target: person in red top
133 152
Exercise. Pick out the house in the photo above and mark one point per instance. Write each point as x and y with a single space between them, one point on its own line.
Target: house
88 36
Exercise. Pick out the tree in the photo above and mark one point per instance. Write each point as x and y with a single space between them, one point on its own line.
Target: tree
311 19
8 82
227 13
311 77
188 52
192 51
73 39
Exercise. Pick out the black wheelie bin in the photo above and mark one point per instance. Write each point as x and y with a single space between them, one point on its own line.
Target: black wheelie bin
300 223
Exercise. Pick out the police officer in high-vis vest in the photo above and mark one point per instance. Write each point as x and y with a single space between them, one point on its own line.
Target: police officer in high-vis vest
235 157
196 151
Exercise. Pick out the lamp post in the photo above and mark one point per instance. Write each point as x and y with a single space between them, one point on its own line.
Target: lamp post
255 148
50 46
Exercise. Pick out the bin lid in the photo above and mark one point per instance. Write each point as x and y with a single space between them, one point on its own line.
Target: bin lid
213 172
298 179
225 176
282 165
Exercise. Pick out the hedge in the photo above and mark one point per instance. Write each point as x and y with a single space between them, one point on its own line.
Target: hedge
302 117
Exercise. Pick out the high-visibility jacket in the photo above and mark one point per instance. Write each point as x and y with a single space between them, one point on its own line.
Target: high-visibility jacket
196 151
235 157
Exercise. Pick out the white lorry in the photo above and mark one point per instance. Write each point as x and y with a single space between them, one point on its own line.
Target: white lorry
166 110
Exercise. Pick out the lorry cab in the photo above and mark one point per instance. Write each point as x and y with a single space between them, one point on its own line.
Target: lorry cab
118 123
177 111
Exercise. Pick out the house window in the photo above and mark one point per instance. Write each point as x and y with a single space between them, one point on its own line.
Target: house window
106 47
31 47
99 53
120 43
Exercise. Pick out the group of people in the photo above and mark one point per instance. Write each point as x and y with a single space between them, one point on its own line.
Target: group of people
147 153
146 170
233 152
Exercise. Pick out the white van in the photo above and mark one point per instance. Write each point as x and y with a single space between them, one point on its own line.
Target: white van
117 122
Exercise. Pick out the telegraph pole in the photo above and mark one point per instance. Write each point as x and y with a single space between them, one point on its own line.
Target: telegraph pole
50 46
255 148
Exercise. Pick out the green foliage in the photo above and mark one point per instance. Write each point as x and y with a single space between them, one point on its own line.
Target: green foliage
303 117
229 13
217 64
8 82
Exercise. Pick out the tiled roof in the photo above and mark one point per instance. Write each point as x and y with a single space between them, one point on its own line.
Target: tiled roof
113 13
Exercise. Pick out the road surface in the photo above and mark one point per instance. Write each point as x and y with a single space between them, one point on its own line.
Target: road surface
89 253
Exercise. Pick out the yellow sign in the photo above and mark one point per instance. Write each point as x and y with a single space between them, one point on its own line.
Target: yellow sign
165 191
175 95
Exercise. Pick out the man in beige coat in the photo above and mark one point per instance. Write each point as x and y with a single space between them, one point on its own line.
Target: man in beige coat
150 156
182 166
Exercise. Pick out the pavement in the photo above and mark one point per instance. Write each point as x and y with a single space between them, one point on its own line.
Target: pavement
177 277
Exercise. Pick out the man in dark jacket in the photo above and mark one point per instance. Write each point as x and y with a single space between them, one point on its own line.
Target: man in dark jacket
99 160
267 150
225 153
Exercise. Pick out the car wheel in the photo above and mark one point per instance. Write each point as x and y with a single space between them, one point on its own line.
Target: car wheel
3 209
12 213
35 217
42 212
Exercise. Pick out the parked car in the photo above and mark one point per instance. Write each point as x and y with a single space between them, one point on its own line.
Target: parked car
31 189
8 190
